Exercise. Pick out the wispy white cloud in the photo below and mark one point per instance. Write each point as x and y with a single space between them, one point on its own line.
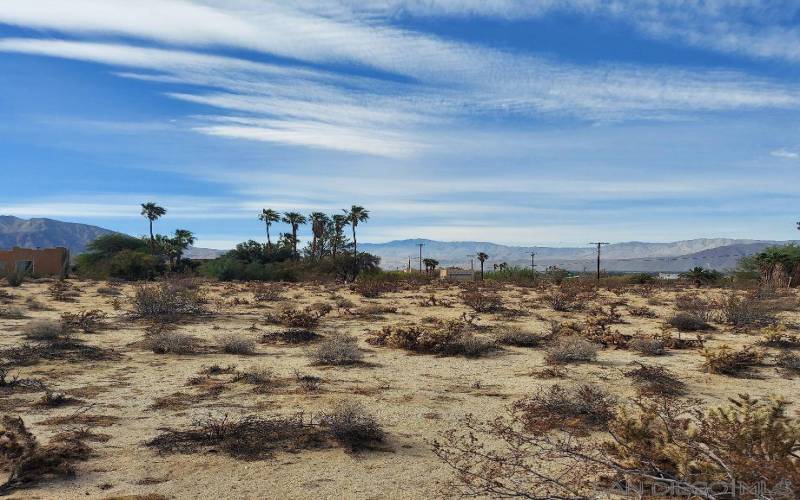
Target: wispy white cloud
785 153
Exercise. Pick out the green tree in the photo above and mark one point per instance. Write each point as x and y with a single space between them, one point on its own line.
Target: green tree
482 257
354 216
294 219
319 222
337 238
182 240
700 276
430 265
269 216
152 212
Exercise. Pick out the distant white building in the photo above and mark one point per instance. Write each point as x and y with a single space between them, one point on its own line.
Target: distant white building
456 274
668 276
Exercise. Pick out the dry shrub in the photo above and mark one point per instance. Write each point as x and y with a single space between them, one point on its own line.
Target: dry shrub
651 444
563 300
233 343
696 306
11 312
62 291
291 336
45 330
256 376
169 342
307 383
788 362
778 336
647 346
14 279
338 349
33 304
167 301
374 286
28 463
250 438
111 291
580 408
85 321
520 338
688 322
350 425
482 301
267 292
746 312
297 318
642 312
571 349
374 310
217 369
446 339
726 361
656 381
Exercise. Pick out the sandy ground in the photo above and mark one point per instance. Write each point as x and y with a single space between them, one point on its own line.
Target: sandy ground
414 397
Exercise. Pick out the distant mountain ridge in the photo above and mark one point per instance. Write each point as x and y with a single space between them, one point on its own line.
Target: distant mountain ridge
679 256
45 233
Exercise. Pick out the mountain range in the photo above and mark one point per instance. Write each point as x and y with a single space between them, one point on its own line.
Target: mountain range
678 256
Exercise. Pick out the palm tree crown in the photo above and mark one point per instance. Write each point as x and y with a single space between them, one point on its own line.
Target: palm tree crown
482 257
294 219
355 215
269 216
152 212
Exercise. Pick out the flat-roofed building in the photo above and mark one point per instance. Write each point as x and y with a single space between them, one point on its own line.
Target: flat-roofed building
35 261
456 274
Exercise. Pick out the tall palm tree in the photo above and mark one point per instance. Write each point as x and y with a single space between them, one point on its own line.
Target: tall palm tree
183 239
319 221
269 216
355 215
430 265
339 221
295 220
482 257
152 212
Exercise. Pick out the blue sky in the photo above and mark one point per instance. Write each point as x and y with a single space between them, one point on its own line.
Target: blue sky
533 122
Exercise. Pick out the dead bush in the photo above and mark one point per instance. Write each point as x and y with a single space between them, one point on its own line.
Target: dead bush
62 291
373 286
44 330
296 318
166 301
519 337
374 310
28 463
446 339
642 312
572 349
726 361
11 312
338 349
647 346
353 427
256 376
746 312
482 301
688 322
267 292
778 336
656 381
170 342
291 336
581 408
788 362
85 321
696 306
233 343
308 383
564 299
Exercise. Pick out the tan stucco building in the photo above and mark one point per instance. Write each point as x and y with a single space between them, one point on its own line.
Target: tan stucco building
35 262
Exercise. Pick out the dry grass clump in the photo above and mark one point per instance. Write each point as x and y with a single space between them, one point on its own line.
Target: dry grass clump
307 383
44 330
571 349
746 312
233 343
688 322
170 342
788 362
256 376
292 336
779 336
642 312
374 310
267 292
350 425
482 301
297 318
62 291
109 291
373 286
656 381
338 349
726 361
446 339
580 408
519 338
11 312
647 346
564 299
28 463
166 301
696 306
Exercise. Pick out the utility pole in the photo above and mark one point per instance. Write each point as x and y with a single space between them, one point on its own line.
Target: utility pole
533 262
599 244
409 264
420 245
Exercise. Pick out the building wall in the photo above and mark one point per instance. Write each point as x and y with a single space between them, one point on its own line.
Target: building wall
38 262
461 275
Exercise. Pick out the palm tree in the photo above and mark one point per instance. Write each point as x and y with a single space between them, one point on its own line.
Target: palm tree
430 265
269 216
152 212
355 215
183 239
295 220
339 221
319 222
482 257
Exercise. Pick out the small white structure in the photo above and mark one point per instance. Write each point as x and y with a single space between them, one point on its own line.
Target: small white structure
668 276
456 274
